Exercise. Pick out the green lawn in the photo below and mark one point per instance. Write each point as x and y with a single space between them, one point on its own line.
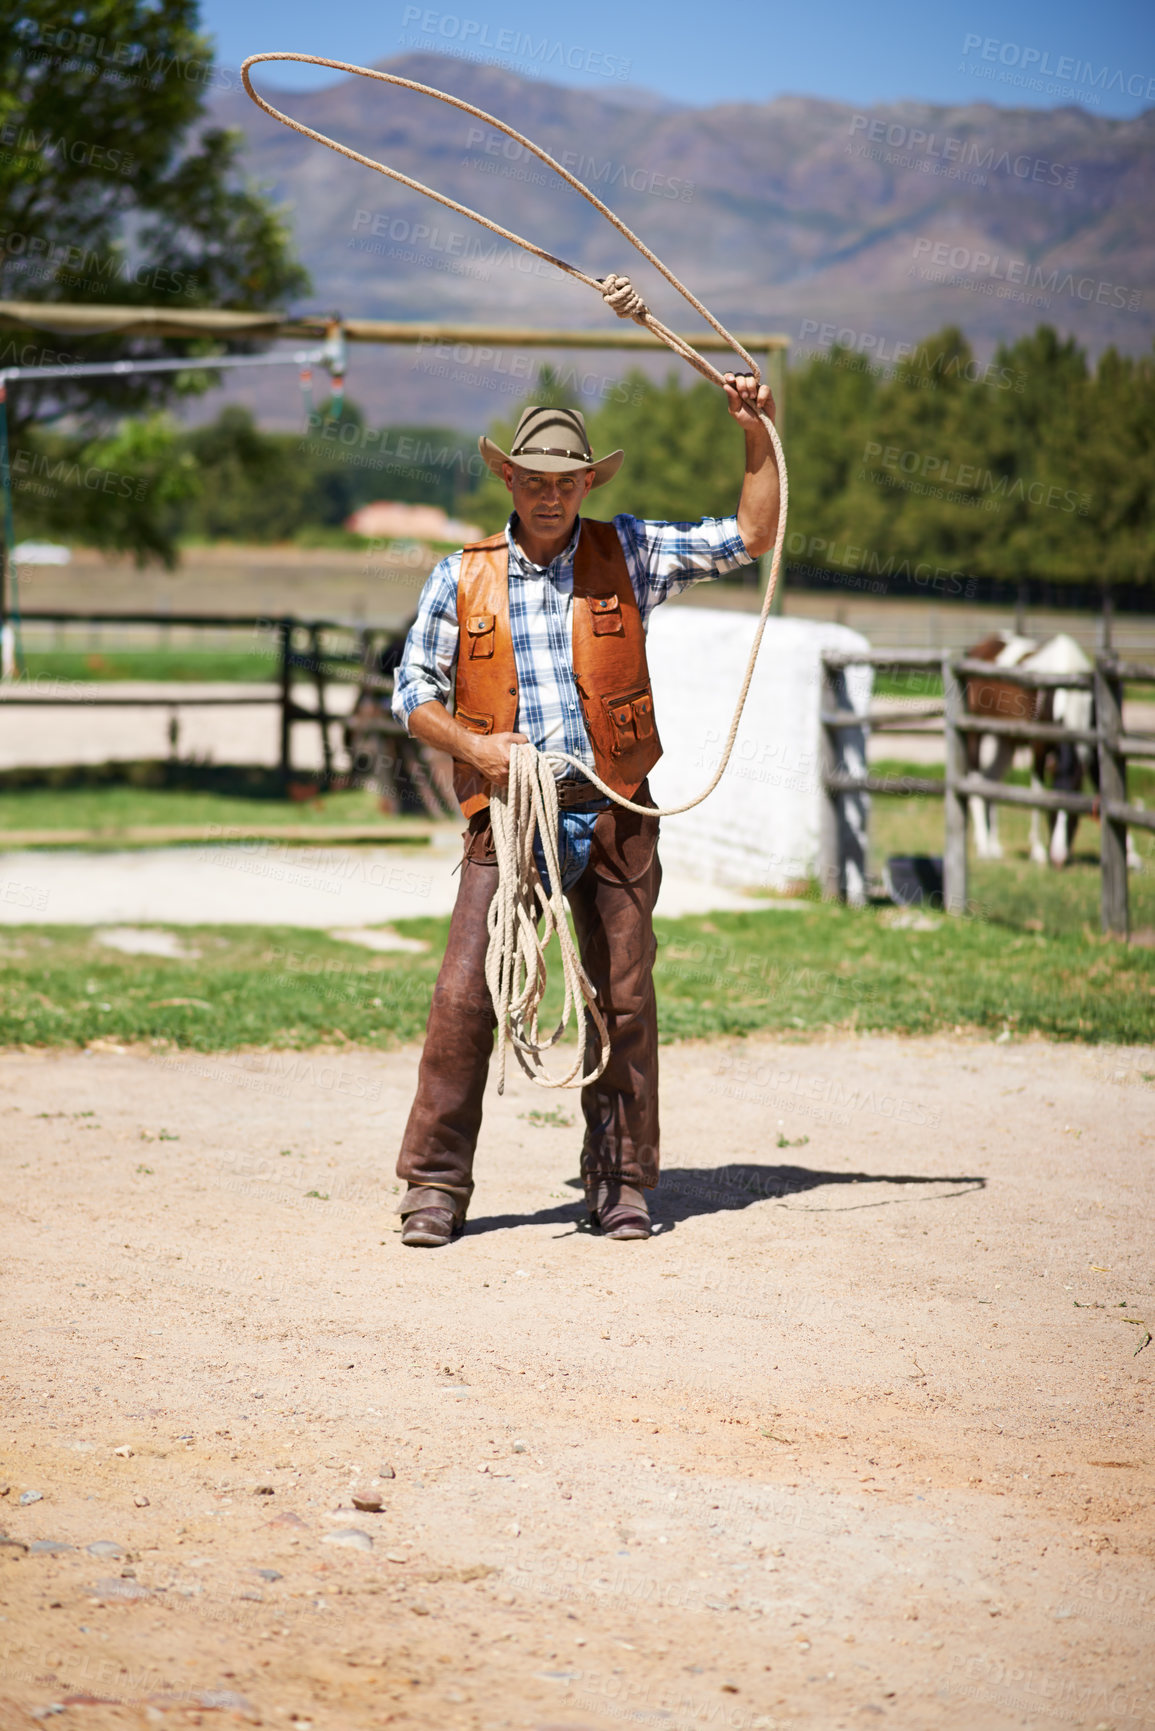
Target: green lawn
821 968
114 808
1012 893
1030 959
181 664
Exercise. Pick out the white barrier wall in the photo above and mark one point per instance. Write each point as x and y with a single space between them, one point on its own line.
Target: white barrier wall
759 828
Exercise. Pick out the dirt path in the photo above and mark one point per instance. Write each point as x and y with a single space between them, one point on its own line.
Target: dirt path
861 1436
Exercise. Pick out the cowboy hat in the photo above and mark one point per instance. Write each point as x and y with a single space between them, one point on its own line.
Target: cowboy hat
554 442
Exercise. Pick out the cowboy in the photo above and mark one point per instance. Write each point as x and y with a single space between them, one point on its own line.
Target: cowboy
545 625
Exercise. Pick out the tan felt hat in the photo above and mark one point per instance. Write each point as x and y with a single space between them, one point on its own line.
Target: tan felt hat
554 442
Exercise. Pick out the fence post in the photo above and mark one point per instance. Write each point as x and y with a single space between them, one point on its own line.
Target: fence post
1112 786
285 636
954 851
831 861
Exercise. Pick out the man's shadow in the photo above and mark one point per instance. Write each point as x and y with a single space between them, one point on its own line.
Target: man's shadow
686 1191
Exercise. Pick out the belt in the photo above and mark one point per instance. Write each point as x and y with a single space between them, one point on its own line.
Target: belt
575 790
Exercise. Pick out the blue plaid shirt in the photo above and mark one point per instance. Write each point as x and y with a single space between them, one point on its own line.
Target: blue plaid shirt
662 560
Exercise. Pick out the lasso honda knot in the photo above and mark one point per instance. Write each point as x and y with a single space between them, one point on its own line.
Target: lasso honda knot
619 293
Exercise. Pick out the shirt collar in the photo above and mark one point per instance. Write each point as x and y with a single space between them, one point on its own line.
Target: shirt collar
519 560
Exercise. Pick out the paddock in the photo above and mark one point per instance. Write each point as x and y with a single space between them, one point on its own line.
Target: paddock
862 1432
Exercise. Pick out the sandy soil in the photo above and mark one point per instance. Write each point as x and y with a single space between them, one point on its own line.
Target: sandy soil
861 1435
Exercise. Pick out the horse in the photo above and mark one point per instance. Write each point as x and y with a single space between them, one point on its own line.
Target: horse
1067 765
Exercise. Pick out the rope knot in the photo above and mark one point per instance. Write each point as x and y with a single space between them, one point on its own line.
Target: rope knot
619 293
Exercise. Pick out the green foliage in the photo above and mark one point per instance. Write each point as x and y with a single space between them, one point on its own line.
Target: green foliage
1032 465
149 485
1035 465
118 191
121 492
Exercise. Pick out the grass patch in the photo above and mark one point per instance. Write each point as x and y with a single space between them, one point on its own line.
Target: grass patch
1012 893
823 968
114 808
912 682
256 665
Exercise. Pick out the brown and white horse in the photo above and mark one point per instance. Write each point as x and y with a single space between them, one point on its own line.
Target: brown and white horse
1066 765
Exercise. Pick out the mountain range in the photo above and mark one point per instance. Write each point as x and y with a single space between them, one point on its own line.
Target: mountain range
794 215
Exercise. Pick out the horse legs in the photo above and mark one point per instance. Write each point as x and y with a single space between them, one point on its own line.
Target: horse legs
987 844
1061 838
979 827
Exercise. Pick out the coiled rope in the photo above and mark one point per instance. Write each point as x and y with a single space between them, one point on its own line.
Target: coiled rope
515 968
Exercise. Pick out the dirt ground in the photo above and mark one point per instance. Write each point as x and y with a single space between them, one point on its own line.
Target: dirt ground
861 1435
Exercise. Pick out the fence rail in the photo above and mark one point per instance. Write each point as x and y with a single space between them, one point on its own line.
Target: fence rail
300 652
842 858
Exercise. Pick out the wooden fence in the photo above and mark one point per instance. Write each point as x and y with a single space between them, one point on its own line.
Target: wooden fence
300 651
841 844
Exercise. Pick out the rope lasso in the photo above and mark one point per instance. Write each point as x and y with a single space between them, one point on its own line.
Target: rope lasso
515 963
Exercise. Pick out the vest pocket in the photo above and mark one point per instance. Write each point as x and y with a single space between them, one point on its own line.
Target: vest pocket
631 716
479 627
605 615
475 723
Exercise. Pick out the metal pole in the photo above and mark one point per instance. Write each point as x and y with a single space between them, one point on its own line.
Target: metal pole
1112 788
954 852
285 633
9 621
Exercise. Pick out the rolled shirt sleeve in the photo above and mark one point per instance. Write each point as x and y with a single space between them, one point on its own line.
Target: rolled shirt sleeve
425 672
665 558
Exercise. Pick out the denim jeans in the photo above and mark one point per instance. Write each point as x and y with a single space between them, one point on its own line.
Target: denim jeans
575 830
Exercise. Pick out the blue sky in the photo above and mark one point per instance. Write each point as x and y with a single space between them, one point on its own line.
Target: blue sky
1040 53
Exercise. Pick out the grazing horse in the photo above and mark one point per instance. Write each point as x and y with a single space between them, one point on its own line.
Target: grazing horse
1066 764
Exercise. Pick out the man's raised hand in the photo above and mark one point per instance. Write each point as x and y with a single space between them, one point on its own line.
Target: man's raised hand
745 398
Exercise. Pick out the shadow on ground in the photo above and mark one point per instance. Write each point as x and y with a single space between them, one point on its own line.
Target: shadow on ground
686 1191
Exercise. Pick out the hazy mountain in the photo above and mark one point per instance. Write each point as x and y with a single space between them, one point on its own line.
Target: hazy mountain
775 214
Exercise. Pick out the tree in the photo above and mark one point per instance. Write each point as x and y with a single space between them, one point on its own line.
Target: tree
113 188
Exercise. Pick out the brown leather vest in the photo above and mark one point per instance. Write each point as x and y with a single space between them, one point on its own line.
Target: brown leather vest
609 660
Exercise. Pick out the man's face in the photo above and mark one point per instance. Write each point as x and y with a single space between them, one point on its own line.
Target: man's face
548 505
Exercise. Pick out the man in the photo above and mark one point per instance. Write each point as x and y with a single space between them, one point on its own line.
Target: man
545 626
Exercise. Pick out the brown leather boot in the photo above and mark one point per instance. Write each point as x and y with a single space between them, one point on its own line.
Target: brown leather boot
619 1209
432 1217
